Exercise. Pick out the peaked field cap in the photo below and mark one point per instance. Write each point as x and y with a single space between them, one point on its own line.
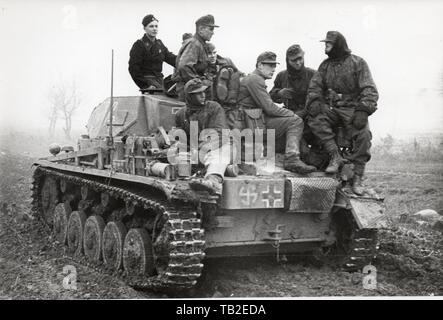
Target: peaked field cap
148 19
295 51
331 36
207 20
194 86
267 57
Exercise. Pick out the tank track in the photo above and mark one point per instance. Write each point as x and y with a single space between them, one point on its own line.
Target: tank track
362 250
185 238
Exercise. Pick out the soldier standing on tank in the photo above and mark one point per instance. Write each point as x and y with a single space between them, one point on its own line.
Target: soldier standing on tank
147 56
342 93
192 59
208 115
287 125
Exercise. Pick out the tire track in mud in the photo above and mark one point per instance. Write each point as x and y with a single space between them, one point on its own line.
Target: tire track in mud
409 262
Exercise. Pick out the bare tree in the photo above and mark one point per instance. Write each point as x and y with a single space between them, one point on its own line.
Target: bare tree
65 100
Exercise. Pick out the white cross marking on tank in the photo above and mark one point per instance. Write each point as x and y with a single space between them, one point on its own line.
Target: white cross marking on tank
247 193
271 197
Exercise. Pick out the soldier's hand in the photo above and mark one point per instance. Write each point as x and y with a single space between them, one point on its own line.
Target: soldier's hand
317 108
285 93
360 119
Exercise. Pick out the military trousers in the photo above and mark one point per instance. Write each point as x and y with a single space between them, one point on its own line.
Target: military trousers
325 127
288 133
217 160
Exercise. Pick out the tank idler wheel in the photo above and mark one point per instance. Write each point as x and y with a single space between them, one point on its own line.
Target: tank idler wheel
49 199
112 247
137 253
92 238
76 225
61 217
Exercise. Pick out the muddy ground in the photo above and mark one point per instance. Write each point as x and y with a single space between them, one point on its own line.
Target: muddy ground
409 261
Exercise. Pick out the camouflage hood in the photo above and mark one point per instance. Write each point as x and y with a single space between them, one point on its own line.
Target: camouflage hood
340 47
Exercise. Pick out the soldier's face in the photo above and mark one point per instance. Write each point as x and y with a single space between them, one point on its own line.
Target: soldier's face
328 46
151 29
199 98
267 69
212 56
206 32
296 62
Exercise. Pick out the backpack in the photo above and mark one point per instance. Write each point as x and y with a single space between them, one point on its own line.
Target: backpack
226 85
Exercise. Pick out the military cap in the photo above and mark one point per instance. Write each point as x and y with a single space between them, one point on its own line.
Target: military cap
194 86
210 46
267 57
331 36
186 36
207 20
295 51
148 19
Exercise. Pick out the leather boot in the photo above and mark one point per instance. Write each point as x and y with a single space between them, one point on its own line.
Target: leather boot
292 160
211 183
336 159
293 163
357 186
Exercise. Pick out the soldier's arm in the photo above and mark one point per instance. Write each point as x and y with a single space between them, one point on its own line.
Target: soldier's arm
135 62
368 91
257 88
315 90
277 87
188 60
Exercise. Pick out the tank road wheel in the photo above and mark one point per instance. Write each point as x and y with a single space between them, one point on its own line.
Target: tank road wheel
61 216
112 247
137 253
49 198
76 225
92 238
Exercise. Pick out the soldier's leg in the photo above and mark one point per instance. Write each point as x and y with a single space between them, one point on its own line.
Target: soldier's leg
290 130
322 126
216 162
180 91
360 155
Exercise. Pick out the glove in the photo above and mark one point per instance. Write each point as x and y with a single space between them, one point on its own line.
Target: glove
367 107
317 108
359 119
285 93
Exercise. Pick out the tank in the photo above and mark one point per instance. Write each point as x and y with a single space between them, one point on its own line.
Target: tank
119 206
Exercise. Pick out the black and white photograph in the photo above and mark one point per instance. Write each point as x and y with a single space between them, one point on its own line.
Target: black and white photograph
221 150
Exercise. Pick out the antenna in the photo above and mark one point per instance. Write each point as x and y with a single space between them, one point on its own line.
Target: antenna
111 139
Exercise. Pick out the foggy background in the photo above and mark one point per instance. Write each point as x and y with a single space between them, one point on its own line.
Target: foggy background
44 43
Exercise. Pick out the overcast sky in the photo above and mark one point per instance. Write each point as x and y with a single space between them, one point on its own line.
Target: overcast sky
46 42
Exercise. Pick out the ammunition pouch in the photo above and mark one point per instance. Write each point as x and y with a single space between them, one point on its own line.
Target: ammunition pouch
254 118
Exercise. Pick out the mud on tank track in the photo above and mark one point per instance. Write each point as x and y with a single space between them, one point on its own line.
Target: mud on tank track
176 234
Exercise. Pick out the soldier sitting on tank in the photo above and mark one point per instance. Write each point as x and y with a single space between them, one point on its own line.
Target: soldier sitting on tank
287 125
208 115
147 56
342 94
